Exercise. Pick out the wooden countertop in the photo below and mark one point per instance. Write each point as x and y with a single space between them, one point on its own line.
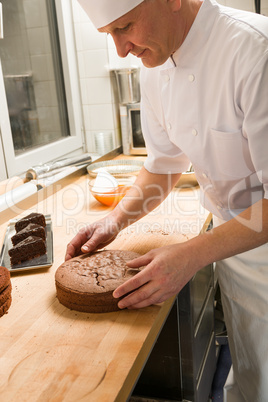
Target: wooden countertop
50 353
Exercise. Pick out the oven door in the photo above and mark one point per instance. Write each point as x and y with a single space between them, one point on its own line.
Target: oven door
137 143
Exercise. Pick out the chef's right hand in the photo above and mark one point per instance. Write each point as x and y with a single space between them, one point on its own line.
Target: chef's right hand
92 237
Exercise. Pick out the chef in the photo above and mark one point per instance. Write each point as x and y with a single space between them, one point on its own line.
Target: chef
204 91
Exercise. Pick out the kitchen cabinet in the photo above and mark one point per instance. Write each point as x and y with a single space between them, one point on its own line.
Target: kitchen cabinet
182 363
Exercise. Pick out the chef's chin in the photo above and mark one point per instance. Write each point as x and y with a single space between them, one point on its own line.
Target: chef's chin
151 62
153 59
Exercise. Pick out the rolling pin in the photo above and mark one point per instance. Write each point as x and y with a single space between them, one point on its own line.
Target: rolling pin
12 197
10 184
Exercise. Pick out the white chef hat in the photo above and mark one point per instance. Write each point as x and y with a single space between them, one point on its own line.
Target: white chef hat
103 12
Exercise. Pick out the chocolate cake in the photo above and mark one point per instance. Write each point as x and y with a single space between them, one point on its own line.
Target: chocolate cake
27 249
32 229
4 278
5 290
4 307
34 217
86 283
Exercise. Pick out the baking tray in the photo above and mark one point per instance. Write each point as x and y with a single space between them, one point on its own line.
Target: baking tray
116 168
44 261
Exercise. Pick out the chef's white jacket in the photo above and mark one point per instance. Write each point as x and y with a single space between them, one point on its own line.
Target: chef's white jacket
209 107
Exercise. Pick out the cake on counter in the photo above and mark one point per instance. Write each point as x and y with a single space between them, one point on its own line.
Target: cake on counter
86 283
34 217
32 229
5 290
29 241
27 249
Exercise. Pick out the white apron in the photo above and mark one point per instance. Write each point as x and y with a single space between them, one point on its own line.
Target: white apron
243 282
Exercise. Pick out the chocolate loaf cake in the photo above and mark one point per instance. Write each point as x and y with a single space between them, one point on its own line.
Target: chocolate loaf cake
5 290
32 229
27 249
86 283
34 217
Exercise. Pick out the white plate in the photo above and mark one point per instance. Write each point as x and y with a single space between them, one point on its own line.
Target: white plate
44 261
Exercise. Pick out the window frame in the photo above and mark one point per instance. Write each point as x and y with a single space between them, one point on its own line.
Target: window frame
18 164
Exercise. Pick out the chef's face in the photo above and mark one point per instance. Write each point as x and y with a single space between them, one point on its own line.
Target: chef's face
147 31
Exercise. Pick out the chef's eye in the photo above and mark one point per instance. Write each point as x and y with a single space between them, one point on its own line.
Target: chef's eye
125 28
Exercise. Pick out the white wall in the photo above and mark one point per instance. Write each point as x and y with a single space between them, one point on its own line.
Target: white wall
96 57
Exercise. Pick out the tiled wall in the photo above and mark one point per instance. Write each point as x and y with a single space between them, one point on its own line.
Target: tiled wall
96 57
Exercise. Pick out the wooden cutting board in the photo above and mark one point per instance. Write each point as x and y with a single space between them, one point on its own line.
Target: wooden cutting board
50 353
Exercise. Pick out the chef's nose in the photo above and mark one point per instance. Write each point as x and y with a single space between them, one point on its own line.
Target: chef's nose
123 46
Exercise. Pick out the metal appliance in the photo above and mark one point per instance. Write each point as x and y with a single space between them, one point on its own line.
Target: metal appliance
132 137
128 85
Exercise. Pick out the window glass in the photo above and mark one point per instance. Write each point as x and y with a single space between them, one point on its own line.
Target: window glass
32 72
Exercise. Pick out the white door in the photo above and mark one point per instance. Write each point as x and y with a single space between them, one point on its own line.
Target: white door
40 110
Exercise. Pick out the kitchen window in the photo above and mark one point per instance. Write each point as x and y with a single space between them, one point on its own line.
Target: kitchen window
40 113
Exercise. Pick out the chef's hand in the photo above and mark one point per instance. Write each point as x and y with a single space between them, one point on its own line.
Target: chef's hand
92 237
167 270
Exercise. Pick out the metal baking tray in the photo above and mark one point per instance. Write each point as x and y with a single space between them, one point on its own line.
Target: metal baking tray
44 261
116 168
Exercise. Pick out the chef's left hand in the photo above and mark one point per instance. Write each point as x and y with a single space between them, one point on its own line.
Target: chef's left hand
167 270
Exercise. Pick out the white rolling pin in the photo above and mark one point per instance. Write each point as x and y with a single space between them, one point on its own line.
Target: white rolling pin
11 198
10 184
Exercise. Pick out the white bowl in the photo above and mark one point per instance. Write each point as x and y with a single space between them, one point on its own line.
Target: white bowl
111 197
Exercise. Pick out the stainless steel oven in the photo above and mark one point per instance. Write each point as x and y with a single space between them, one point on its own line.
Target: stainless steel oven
132 137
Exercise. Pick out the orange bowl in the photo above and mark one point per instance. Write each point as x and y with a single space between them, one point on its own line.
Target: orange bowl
111 197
